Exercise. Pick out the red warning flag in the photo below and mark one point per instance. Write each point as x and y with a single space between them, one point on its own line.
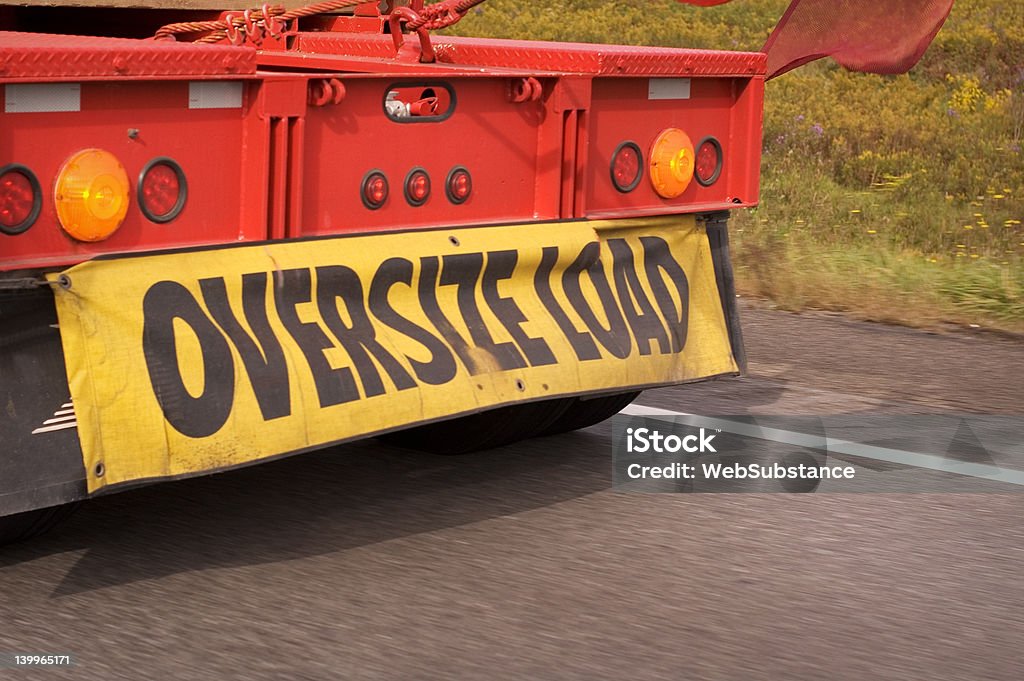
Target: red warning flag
876 36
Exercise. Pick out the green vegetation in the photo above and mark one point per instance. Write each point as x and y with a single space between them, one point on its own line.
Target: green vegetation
897 198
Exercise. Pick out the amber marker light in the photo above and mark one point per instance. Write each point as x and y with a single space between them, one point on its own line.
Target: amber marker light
91 195
672 161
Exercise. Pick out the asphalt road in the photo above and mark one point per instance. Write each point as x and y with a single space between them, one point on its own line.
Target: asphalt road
370 562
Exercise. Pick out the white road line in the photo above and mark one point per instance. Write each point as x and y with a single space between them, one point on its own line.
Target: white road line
64 412
897 456
50 429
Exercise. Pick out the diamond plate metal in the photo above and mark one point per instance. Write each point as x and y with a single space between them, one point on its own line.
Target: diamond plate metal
576 58
67 57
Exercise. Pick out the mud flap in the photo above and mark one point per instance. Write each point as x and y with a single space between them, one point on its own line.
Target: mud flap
717 225
40 458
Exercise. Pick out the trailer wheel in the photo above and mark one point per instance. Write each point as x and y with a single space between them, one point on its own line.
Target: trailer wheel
583 413
486 430
30 524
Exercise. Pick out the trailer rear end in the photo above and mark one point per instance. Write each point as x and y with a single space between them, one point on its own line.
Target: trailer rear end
336 226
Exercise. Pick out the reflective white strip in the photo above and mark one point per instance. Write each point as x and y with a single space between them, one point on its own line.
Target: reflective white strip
64 412
668 88
60 419
929 461
42 98
214 95
65 406
50 429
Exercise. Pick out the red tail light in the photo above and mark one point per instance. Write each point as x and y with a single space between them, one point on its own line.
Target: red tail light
417 187
459 185
21 199
162 190
708 167
626 167
375 189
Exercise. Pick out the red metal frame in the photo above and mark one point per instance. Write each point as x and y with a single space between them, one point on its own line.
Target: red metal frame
38 58
536 125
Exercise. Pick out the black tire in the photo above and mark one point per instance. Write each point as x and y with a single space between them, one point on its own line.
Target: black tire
486 430
30 524
583 413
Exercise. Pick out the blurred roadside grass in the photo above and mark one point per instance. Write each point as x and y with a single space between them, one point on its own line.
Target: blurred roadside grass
895 198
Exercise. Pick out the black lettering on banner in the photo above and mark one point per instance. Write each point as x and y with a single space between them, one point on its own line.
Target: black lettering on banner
195 417
646 324
657 259
359 340
615 338
429 269
441 368
582 342
333 386
463 270
262 356
501 265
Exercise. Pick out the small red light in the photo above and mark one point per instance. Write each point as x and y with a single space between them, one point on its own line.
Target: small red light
417 187
16 199
20 200
459 185
626 164
375 190
162 190
708 165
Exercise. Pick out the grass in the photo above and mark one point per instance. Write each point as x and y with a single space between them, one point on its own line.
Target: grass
894 198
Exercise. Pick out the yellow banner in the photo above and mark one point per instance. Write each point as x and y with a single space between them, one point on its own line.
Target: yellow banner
188 362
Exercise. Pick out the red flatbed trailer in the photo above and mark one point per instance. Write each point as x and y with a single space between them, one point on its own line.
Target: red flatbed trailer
310 229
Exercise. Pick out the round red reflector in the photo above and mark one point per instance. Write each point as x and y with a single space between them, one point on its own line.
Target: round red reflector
375 190
20 199
459 185
626 167
708 165
162 190
417 187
